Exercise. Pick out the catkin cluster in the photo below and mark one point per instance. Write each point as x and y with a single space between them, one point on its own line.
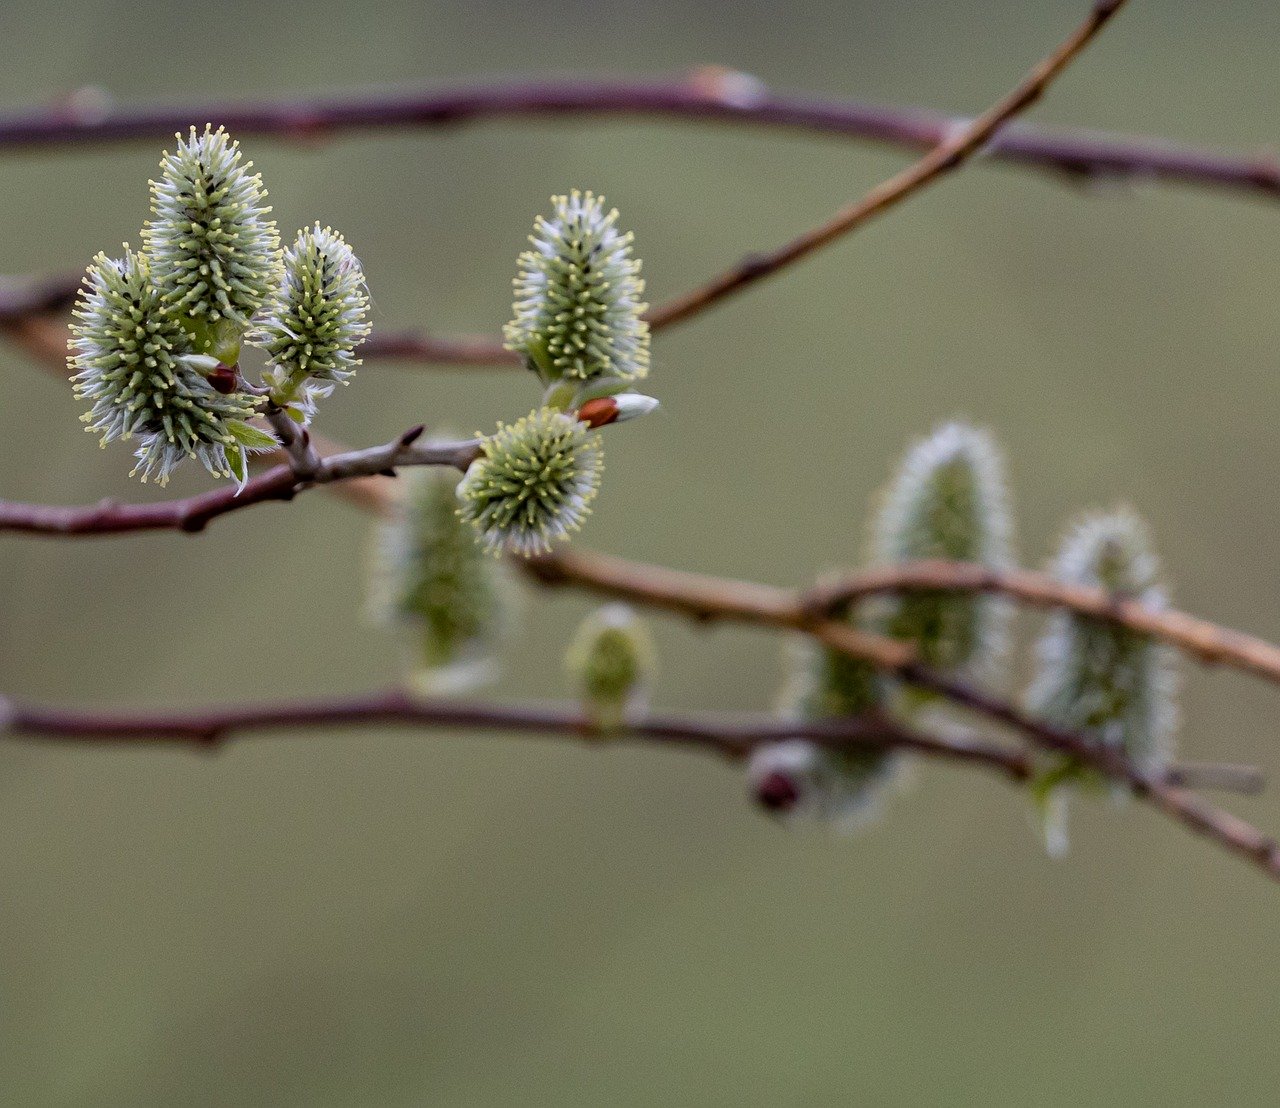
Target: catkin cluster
578 323
157 334
1110 685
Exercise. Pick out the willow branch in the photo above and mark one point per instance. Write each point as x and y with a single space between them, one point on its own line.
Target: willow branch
732 737
194 513
1204 641
710 94
711 599
949 154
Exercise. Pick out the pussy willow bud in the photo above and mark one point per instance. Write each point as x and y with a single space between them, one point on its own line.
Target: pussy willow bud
577 309
213 251
133 361
312 324
605 410
610 661
432 579
1104 682
533 483
800 779
948 500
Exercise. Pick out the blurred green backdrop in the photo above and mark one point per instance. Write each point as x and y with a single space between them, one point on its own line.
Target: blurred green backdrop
391 919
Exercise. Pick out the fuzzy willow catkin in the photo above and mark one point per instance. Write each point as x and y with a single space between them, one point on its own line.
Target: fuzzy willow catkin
533 483
135 363
214 253
1111 684
1114 686
316 318
800 779
610 662
578 312
948 500
433 580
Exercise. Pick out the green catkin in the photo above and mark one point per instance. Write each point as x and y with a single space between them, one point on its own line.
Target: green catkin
578 313
431 579
1113 686
213 252
610 662
315 319
841 787
948 500
135 363
533 484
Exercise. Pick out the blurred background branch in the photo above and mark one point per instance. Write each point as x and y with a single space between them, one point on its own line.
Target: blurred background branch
709 93
714 599
732 737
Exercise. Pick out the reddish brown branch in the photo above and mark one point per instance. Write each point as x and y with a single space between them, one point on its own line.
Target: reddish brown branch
731 737
476 351
1198 638
711 598
193 513
710 94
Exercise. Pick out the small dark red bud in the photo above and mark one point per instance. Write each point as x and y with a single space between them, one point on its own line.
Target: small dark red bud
224 379
777 792
598 412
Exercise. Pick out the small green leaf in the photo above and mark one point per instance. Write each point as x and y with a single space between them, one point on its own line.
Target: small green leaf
250 437
238 464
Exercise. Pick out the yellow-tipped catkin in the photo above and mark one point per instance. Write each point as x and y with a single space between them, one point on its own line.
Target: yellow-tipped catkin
578 312
533 484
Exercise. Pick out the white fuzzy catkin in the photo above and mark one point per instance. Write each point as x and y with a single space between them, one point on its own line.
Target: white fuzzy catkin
610 662
948 500
134 362
1098 679
842 788
317 316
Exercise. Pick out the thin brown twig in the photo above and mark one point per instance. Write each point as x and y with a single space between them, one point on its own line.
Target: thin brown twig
711 598
729 736
1204 641
280 483
1207 642
952 152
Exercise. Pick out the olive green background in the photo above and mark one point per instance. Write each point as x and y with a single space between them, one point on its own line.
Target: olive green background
378 918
